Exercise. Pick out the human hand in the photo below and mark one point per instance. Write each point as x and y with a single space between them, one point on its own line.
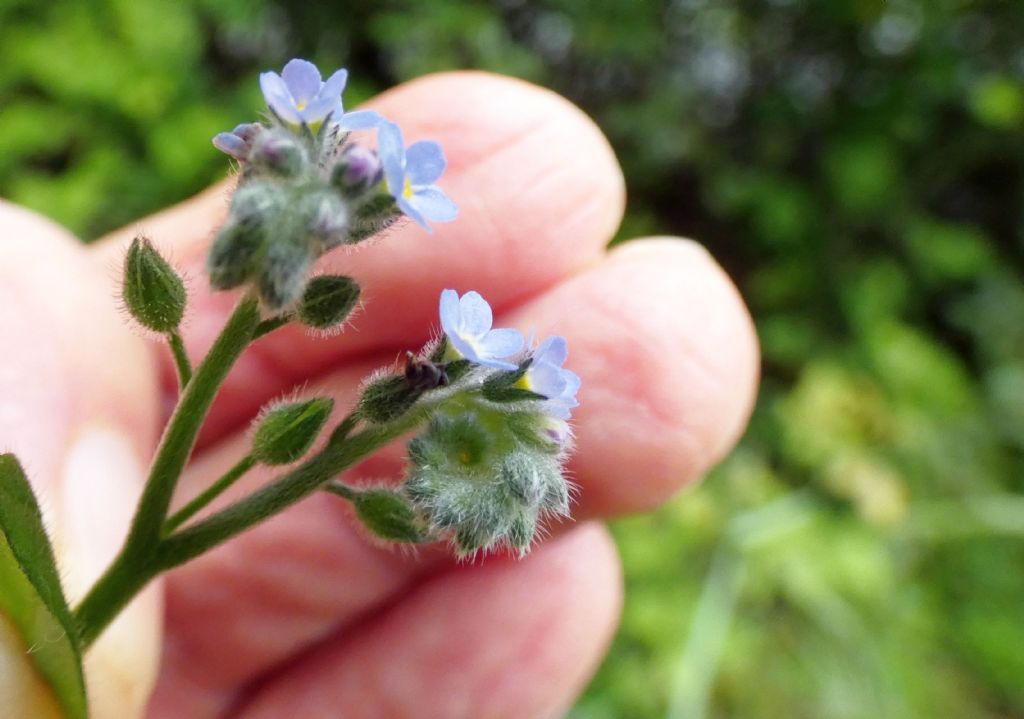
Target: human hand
303 616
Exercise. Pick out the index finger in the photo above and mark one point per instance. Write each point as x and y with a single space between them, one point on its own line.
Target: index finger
540 194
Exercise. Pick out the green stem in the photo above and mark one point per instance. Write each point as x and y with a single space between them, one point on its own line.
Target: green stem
283 492
342 490
210 494
267 326
134 566
181 362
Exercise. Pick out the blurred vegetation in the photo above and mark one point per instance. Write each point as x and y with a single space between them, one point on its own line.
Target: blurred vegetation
857 165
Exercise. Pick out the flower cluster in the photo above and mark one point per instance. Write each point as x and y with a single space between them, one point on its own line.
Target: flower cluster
305 188
487 468
467 321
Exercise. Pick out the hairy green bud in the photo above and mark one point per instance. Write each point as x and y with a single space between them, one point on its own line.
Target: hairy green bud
152 291
287 432
284 272
387 398
390 516
473 479
328 301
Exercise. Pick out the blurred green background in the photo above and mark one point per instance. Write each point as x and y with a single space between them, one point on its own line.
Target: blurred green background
857 166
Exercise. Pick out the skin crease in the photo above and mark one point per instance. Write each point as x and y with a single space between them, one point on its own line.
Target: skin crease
304 611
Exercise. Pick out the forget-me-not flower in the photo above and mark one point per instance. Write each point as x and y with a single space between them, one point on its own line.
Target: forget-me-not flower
298 96
467 323
546 376
411 173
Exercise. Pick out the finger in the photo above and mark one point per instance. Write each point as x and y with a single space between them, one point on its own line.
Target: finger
669 367
78 407
540 194
507 639
670 364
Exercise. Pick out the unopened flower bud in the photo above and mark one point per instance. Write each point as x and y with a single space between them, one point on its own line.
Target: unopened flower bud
238 142
326 218
387 398
287 432
279 153
238 247
233 254
283 276
153 292
327 301
358 170
473 479
390 516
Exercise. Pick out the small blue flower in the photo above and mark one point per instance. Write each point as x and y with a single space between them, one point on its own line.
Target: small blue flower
411 173
546 376
298 96
467 323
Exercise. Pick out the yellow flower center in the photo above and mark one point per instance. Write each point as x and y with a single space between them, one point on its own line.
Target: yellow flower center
407 189
524 382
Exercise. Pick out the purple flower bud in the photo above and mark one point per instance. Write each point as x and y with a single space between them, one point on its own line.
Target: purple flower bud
358 170
279 153
238 142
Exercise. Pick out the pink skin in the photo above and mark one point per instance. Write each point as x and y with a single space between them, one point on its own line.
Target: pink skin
304 612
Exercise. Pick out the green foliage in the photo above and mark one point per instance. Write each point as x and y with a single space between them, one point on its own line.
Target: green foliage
30 592
855 165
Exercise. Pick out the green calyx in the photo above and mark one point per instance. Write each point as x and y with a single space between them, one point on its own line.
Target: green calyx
286 433
152 291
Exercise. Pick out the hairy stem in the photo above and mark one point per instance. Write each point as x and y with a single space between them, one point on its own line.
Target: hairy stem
181 363
134 566
211 493
283 492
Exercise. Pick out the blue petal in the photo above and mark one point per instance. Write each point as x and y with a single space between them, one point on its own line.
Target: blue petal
360 120
448 310
278 98
231 144
501 343
318 110
475 316
392 156
489 362
302 79
412 213
558 409
328 99
463 347
335 84
554 350
434 204
424 162
547 379
572 382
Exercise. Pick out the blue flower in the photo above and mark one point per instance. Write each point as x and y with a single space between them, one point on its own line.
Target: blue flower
467 323
546 376
299 97
411 173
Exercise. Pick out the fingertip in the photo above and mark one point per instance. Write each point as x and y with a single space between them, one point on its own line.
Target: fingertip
669 362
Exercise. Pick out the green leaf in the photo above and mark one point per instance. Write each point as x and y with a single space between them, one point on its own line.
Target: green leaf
31 594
